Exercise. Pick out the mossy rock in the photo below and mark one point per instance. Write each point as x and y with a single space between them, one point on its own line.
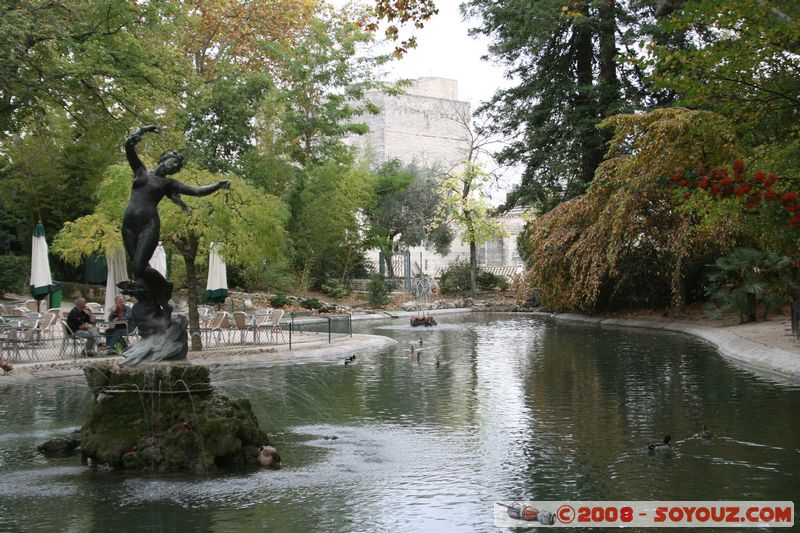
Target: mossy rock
165 418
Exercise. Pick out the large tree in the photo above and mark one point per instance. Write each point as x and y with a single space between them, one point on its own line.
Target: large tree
626 241
738 58
566 60
407 200
245 221
111 57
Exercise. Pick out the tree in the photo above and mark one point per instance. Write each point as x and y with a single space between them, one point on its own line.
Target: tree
109 57
327 227
567 58
407 200
321 83
397 14
51 173
465 205
231 218
739 60
626 241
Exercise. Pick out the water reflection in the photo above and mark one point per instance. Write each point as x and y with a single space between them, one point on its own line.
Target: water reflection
517 408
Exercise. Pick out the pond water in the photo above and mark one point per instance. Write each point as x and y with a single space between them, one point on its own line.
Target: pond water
518 408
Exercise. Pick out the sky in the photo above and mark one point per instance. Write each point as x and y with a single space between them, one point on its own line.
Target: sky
445 50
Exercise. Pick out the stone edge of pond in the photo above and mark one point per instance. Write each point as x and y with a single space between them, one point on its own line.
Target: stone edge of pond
751 354
308 353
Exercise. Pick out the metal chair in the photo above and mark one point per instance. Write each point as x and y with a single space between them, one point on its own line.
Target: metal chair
244 324
69 336
275 328
47 325
19 337
218 324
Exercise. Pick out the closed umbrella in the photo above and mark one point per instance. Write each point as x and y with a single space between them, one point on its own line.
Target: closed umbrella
41 281
159 260
117 272
217 286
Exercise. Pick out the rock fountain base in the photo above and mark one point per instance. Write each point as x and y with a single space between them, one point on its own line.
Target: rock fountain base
159 418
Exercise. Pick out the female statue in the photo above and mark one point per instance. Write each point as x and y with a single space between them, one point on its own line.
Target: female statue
140 224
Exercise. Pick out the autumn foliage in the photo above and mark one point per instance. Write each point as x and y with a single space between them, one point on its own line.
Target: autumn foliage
755 190
626 241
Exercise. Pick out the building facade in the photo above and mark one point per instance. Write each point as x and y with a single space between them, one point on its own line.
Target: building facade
429 126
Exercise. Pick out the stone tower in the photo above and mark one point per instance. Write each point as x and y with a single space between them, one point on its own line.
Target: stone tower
426 125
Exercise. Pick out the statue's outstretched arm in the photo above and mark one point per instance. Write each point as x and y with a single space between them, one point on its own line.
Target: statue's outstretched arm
182 188
130 148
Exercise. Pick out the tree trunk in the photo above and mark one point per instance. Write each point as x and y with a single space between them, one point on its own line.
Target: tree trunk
585 104
387 259
188 249
751 308
473 267
609 83
796 313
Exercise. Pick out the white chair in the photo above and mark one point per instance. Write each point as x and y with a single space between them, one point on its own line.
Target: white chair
32 305
47 325
95 308
20 311
218 325
244 324
18 338
261 321
275 328
69 337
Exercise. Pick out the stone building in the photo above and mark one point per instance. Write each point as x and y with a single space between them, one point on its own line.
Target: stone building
428 126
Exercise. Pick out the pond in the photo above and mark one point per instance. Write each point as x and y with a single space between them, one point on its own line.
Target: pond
517 408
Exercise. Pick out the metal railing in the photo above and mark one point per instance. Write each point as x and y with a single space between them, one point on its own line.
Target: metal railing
295 329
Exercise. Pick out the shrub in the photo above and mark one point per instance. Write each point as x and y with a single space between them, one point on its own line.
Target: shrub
378 289
311 303
333 288
279 300
488 281
14 272
455 278
745 279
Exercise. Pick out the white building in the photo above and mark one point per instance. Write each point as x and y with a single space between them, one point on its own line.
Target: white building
428 125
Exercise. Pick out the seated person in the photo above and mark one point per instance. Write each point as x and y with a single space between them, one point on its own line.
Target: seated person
121 312
81 322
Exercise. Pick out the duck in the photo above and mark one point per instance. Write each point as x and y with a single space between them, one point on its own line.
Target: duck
347 361
660 446
437 361
420 341
353 358
268 456
705 434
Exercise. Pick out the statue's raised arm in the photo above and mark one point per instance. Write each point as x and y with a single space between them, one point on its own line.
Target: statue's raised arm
130 148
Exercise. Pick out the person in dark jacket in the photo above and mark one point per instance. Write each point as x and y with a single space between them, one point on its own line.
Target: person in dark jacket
81 322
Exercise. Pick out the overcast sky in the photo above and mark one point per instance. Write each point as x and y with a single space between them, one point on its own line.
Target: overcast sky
445 50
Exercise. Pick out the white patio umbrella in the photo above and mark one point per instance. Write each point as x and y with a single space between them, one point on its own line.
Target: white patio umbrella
117 271
41 281
159 259
217 286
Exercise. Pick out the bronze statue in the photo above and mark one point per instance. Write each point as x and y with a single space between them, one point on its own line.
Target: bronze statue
140 234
